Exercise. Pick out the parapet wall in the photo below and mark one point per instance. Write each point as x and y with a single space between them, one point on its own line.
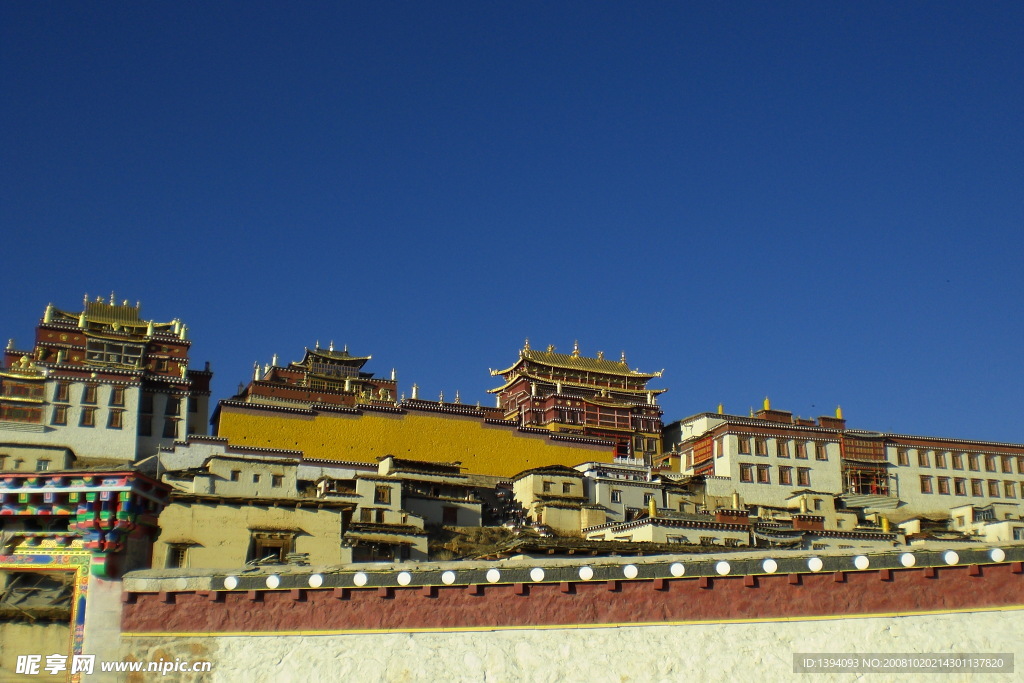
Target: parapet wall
595 619
573 593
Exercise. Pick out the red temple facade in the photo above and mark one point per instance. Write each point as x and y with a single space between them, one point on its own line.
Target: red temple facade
588 396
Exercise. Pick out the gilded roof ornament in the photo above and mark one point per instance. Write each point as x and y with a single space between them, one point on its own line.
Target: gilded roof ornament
839 412
600 355
458 399
576 349
721 409
551 348
623 358
526 344
767 404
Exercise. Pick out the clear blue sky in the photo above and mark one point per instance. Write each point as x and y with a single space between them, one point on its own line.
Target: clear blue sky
821 202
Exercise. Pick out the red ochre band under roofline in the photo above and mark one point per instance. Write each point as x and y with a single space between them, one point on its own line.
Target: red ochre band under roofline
406 599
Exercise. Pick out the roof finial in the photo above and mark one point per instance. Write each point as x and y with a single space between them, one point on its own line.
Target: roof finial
111 297
48 313
345 349
551 348
839 412
576 349
10 344
751 411
767 404
331 347
317 348
600 355
458 399
526 344
85 299
721 409
623 358
415 391
440 398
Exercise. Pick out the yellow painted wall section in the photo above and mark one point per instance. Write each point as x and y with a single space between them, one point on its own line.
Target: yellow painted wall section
496 450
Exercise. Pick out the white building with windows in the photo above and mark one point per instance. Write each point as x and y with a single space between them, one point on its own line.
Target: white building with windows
105 383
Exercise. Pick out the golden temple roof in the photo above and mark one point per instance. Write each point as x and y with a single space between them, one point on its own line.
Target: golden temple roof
331 354
580 363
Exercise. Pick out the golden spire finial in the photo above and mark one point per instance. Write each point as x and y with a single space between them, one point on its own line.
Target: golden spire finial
721 409
551 348
622 359
85 299
751 411
767 404
330 347
839 412
576 349
440 398
112 297
600 355
458 399
526 344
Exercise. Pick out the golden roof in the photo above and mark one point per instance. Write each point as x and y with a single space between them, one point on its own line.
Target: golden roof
331 354
580 363
571 383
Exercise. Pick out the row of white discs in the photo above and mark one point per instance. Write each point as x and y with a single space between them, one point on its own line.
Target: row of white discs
629 571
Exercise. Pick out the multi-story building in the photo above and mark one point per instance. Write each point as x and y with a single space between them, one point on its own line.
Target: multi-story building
588 396
773 459
103 382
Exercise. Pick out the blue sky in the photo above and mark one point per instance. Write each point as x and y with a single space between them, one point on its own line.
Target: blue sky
818 202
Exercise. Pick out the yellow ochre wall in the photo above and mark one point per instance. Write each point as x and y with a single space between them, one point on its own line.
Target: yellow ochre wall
495 450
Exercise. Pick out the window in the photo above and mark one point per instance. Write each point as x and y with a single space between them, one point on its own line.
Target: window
990 463
940 461
114 419
170 428
172 406
786 476
782 449
1009 489
147 403
960 486
902 457
42 465
277 479
976 487
993 488
743 444
763 474
546 487
255 478
616 496
958 461
926 484
566 488
943 486
761 446
820 452
145 425
272 546
648 498
117 396
60 415
801 450
747 473
193 405
382 495
61 392
922 459
88 418
972 462
236 475
89 393
1007 465
803 476
1020 464
177 556
817 504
